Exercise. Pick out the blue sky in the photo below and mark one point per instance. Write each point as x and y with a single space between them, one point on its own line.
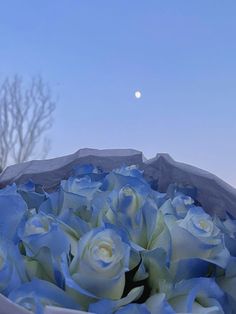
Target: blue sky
95 54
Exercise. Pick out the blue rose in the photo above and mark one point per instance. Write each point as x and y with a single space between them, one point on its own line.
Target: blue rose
198 295
130 171
118 178
128 211
75 204
44 242
77 194
81 186
133 206
100 264
39 230
196 236
201 225
177 206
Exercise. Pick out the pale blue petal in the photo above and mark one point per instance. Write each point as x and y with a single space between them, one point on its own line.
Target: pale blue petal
12 269
12 209
70 218
155 263
39 293
190 268
71 200
30 193
51 204
109 306
134 308
157 304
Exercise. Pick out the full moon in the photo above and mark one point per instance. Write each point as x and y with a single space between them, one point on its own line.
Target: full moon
137 94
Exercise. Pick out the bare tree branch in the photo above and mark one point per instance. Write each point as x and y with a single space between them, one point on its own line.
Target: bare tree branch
25 115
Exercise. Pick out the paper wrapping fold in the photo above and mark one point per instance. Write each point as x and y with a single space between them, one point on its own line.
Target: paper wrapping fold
215 195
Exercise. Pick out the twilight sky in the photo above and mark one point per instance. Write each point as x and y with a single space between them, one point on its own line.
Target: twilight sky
95 54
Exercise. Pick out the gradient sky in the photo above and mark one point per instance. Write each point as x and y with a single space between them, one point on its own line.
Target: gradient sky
94 54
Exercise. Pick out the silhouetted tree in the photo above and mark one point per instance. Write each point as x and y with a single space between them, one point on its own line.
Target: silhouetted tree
25 115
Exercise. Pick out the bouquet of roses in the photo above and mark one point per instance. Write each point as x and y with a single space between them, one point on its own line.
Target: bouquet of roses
107 242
